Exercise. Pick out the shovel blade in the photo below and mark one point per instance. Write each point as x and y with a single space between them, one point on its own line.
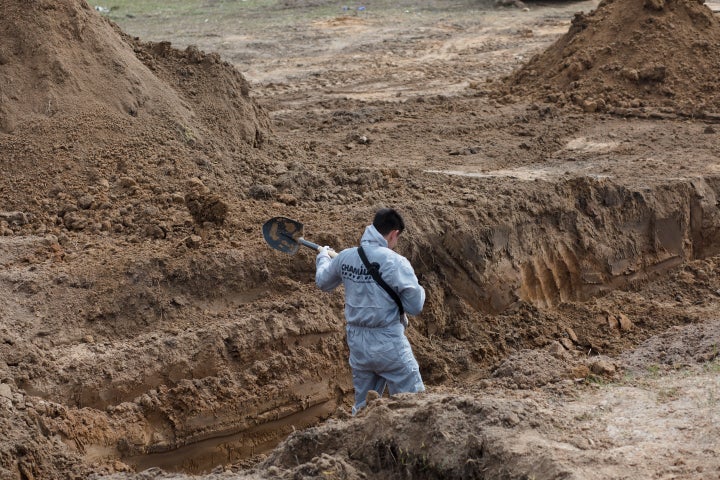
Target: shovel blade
283 234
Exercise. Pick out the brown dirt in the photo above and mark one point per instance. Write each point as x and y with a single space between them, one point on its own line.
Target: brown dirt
568 248
632 54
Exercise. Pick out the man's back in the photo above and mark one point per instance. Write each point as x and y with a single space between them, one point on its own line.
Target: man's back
366 303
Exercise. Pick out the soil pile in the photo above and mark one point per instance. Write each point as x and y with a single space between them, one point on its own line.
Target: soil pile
631 54
90 116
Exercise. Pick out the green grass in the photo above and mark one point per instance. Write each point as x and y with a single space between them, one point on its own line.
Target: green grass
185 8
654 370
154 20
713 367
668 395
267 11
137 8
218 10
597 380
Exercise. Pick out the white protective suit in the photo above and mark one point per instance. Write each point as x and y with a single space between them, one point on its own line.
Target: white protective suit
380 353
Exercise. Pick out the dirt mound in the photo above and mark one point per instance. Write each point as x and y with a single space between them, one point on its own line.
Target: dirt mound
630 54
91 119
64 59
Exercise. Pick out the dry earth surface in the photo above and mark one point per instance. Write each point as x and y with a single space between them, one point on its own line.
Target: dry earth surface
558 171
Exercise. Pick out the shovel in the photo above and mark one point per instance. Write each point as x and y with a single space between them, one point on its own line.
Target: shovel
285 235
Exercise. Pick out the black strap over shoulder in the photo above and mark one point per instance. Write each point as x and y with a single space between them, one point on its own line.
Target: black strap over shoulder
374 270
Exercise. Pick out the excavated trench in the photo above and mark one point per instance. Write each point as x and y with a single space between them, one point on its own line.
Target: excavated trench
192 363
575 240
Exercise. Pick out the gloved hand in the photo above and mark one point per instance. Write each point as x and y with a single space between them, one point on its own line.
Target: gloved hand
324 252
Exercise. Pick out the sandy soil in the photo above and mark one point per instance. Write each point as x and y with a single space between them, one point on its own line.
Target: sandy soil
558 172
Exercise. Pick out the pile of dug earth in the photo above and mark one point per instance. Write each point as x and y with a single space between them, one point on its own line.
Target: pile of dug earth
628 55
146 330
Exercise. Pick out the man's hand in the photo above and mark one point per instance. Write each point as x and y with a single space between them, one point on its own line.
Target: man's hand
324 252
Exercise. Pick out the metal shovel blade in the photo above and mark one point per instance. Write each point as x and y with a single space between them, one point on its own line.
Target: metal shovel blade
283 234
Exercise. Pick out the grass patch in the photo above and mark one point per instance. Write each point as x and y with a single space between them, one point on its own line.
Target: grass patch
120 9
654 370
258 15
188 21
668 395
584 417
713 367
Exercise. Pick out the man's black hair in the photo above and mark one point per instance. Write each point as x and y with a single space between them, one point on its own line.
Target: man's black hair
386 220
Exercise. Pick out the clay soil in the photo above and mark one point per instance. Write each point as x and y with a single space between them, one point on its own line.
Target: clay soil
558 172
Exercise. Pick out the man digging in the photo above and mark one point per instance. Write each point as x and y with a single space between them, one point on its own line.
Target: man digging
379 290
